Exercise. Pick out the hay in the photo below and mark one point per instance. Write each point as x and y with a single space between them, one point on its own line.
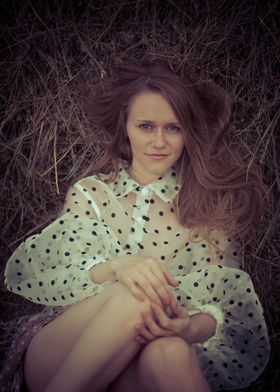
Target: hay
52 52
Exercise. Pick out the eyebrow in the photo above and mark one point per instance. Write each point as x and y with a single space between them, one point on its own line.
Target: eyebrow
152 122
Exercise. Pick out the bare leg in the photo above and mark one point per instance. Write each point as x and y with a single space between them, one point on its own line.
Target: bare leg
103 338
89 334
164 365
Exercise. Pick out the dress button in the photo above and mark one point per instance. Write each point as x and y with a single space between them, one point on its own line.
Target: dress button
144 191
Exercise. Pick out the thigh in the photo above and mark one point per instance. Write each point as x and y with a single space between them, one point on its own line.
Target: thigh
128 379
161 356
50 346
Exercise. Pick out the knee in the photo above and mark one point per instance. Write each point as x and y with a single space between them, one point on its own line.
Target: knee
120 299
168 355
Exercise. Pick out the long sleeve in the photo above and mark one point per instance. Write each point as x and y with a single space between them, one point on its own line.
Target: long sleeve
52 267
240 345
212 282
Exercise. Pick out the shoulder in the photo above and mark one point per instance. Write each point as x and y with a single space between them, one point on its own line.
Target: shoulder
86 197
97 184
92 184
89 190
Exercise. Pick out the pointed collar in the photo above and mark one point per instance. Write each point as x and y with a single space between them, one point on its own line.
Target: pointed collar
165 187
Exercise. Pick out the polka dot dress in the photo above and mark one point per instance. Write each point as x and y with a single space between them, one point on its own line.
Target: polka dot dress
101 221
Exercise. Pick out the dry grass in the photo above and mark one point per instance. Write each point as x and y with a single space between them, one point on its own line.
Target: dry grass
51 53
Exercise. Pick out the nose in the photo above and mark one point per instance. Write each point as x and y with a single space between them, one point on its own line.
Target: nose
159 139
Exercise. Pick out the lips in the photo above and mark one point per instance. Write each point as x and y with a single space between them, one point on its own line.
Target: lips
157 156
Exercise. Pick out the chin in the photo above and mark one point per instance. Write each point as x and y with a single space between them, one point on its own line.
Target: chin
162 165
159 171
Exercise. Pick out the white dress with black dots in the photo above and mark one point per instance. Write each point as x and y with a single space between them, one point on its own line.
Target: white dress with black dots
103 220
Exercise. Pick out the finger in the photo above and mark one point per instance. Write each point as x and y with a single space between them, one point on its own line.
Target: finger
179 311
153 325
165 274
182 312
175 326
174 307
164 321
169 278
150 323
141 339
174 303
156 278
144 332
160 271
130 284
146 286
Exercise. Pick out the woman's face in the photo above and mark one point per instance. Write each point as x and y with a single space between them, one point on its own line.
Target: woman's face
155 136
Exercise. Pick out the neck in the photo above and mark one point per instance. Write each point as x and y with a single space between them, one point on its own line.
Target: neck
138 177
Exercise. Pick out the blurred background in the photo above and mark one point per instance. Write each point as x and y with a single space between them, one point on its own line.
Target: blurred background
52 52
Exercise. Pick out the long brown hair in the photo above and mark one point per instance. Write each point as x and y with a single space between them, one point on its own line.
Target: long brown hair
220 187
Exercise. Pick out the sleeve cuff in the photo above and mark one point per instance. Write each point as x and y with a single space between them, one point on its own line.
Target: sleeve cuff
217 314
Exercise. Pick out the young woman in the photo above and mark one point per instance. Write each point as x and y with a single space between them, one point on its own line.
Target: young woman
141 273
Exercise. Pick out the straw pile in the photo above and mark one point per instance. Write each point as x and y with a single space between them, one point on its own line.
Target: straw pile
52 52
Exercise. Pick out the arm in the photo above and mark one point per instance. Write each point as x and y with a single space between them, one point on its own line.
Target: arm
103 271
194 328
52 267
153 281
201 327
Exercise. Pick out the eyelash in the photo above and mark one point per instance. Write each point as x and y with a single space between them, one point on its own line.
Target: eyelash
148 127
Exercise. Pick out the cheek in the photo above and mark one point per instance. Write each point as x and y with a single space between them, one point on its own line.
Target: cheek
135 142
136 139
179 146
132 139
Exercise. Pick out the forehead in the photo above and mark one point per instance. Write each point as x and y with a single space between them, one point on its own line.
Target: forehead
151 105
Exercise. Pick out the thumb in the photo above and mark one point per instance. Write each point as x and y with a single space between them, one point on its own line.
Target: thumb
178 310
181 312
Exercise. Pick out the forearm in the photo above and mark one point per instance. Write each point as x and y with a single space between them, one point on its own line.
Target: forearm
103 272
202 327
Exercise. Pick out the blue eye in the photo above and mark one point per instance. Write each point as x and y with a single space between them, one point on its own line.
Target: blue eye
145 126
173 128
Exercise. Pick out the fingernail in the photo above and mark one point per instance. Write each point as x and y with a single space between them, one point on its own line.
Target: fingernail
140 340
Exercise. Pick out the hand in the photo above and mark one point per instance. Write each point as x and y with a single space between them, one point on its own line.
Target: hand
145 277
157 324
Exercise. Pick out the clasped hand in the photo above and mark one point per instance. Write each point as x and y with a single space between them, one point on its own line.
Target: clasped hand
147 278
159 324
